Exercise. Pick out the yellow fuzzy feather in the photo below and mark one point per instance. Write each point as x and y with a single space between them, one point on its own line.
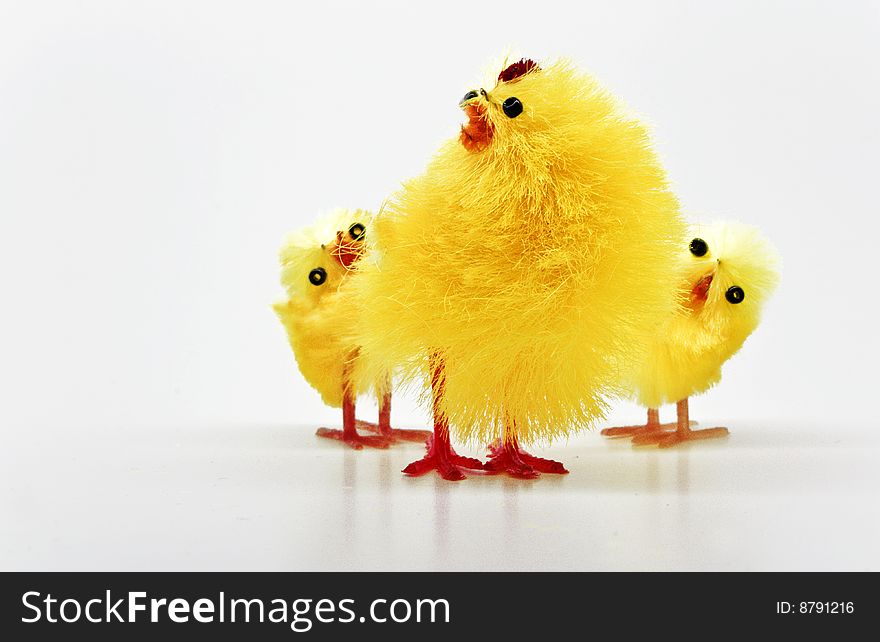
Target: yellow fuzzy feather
316 317
538 267
686 356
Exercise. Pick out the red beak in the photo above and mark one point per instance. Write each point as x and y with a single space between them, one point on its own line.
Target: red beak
700 291
346 251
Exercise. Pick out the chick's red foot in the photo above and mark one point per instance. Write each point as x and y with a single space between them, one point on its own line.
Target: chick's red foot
511 459
670 439
349 434
415 436
395 435
354 440
442 458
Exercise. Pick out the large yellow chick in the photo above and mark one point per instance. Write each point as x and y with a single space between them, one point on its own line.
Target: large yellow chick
727 273
315 261
529 263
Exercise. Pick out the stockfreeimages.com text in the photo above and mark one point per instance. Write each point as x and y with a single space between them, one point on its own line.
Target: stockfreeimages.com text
300 614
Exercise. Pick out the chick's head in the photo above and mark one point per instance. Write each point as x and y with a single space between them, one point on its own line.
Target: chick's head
538 119
731 272
550 154
315 260
522 108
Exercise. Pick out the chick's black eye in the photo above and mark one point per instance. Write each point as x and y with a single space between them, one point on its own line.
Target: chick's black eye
512 107
735 294
357 231
471 94
699 247
317 276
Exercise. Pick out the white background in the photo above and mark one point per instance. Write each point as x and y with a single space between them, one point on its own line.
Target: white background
152 155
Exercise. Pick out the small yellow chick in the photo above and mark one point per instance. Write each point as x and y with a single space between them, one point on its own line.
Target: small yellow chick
728 271
544 231
315 261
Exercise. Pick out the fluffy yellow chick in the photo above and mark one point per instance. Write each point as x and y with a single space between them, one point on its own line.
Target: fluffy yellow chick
728 271
529 263
315 261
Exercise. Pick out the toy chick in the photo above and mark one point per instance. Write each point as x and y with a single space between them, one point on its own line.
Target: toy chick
533 257
727 273
315 261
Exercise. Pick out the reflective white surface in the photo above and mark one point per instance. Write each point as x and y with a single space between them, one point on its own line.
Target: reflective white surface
274 497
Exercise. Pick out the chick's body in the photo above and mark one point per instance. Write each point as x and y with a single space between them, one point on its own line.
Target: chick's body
313 312
534 257
315 262
320 354
727 271
685 358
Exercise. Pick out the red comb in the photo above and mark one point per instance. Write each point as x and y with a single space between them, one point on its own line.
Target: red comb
517 69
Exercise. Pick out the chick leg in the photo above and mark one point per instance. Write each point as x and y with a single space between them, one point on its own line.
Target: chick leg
384 426
441 457
682 432
505 456
349 434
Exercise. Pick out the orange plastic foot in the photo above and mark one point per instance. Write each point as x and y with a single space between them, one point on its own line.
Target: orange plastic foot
668 440
644 429
442 458
395 435
355 441
632 431
509 458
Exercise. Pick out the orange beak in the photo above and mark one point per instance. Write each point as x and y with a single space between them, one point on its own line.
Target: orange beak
477 133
